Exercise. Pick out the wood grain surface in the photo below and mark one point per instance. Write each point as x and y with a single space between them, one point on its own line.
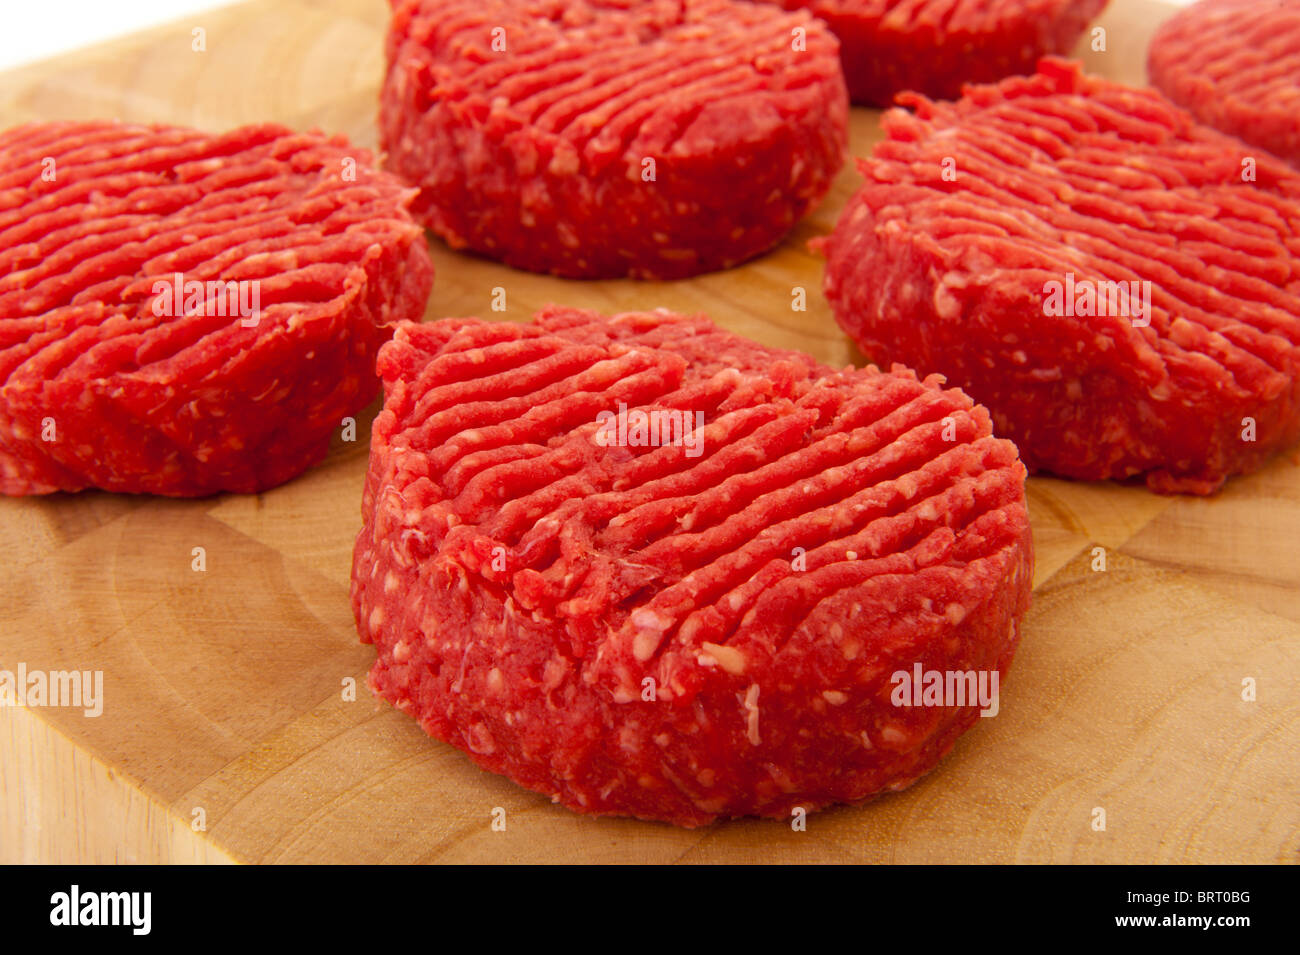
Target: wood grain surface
226 734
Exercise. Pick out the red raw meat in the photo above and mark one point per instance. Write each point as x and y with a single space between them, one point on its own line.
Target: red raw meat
1235 65
527 577
935 46
109 379
977 214
529 126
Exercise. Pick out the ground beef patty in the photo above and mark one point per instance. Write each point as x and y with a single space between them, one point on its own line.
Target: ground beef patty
934 46
1004 241
183 313
680 630
1235 65
606 138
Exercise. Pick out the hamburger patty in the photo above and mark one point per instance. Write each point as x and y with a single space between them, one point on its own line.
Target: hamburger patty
183 313
1235 65
608 138
934 46
1117 283
649 568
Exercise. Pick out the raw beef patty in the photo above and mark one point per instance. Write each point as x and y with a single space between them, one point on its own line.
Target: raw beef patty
1235 65
607 138
934 46
183 313
692 621
1117 283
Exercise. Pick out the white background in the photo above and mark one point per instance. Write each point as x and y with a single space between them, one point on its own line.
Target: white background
36 29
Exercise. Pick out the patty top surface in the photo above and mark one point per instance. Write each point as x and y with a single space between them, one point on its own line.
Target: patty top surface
600 75
1236 65
946 16
810 485
1021 182
94 214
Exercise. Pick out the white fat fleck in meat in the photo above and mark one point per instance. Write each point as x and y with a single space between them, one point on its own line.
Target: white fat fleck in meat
835 697
479 739
729 658
645 643
781 778
650 626
376 620
629 739
464 657
751 714
553 674
892 733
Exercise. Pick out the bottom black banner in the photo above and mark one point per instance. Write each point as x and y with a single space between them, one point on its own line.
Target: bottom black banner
334 905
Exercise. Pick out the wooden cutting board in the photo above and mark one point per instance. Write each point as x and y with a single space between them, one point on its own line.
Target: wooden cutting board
226 734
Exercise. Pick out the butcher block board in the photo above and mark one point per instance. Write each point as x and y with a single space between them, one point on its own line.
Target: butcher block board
227 734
